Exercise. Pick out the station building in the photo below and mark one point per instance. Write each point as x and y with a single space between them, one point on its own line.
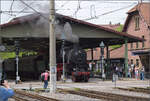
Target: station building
138 24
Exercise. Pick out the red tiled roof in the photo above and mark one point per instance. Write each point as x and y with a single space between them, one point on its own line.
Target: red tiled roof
114 53
111 26
30 18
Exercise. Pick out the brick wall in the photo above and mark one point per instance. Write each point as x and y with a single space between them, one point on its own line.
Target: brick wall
143 31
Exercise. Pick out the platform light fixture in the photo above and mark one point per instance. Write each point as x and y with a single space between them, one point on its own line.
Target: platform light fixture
17 60
102 46
63 54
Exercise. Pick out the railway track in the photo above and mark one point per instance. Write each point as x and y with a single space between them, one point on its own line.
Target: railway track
25 96
136 89
104 95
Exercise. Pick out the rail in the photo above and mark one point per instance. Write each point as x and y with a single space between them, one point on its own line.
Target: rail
26 96
104 95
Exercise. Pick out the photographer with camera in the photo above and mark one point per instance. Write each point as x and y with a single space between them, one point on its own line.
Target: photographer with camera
5 91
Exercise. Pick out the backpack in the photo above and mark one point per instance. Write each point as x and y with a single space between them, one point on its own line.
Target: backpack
42 77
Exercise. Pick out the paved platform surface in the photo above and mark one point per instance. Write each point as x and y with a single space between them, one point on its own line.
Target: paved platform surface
93 84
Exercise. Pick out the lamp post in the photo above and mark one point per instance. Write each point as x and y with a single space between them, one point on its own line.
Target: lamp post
63 54
102 46
17 60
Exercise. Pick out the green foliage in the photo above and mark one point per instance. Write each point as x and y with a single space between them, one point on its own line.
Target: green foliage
7 55
115 46
119 29
77 89
97 72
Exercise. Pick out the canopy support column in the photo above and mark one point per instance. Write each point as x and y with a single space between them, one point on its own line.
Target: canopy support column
107 60
126 58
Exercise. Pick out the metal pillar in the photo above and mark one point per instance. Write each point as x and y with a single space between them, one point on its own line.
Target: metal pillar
17 61
63 43
92 58
52 48
126 57
108 60
102 46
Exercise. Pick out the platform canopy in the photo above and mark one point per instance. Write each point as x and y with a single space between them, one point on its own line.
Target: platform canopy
32 31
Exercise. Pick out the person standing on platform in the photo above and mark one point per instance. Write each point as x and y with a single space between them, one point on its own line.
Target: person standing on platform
142 73
45 77
136 73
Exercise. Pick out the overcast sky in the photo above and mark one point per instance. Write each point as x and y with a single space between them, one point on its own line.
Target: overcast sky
97 12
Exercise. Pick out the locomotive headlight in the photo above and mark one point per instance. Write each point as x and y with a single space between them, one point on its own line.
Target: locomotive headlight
74 69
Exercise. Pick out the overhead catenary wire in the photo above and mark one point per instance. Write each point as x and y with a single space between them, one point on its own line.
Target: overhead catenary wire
64 4
80 0
11 6
18 12
78 8
109 12
42 15
92 11
34 10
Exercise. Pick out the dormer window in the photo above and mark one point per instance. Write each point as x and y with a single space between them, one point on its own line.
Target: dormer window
137 22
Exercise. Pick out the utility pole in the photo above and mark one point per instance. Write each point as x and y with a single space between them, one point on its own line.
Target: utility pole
52 48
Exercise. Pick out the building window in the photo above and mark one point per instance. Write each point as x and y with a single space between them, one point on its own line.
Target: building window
137 45
137 20
131 45
137 62
143 44
131 61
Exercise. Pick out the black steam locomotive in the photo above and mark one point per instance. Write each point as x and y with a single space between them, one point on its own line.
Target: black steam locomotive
76 64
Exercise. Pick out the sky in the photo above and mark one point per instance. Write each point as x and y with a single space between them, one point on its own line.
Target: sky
97 12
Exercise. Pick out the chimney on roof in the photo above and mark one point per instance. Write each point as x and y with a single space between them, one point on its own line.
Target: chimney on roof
110 23
118 23
139 1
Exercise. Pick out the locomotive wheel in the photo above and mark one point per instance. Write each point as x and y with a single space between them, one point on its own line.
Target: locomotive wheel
74 79
86 79
58 76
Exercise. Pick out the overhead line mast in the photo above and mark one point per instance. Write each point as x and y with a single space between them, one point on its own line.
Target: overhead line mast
52 48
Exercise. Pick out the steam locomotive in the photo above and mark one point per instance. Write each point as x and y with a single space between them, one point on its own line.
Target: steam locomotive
76 64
